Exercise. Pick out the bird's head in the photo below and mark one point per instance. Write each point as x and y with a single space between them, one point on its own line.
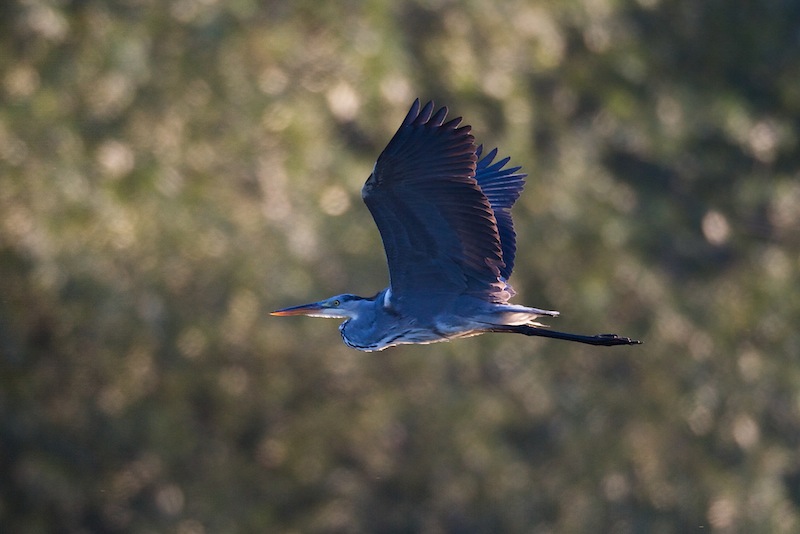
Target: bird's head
339 307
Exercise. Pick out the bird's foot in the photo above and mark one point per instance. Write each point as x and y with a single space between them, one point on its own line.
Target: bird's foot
614 339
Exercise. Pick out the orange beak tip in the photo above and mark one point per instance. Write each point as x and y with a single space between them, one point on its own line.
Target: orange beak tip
304 309
283 313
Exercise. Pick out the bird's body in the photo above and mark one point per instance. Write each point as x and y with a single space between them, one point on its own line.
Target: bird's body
376 324
444 216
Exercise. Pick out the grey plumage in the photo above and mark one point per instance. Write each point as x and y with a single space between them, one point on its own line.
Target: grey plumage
443 213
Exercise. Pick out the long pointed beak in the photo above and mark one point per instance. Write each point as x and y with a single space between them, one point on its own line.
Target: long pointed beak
303 309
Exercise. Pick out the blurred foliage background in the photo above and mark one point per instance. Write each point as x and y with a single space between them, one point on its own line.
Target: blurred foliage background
172 171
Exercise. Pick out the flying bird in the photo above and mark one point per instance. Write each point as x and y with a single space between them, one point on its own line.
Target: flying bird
443 209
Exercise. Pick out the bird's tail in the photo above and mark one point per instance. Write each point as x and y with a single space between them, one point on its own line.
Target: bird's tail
512 314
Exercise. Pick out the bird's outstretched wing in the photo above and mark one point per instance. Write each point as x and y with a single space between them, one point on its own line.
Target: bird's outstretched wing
502 188
437 226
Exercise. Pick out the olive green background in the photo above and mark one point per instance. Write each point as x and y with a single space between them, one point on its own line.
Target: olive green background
170 172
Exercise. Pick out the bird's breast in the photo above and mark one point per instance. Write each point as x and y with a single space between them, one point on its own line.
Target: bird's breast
374 340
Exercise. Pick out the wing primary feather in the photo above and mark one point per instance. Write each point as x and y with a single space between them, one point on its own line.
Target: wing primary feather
425 114
438 117
452 124
412 113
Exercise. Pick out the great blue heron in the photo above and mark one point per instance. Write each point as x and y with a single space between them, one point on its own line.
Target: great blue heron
444 214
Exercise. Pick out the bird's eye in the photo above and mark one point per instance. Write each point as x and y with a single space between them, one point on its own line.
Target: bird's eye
335 303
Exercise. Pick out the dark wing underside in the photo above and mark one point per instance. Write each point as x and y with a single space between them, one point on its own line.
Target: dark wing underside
502 188
438 227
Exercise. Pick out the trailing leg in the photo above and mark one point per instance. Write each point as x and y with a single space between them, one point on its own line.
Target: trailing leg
604 340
